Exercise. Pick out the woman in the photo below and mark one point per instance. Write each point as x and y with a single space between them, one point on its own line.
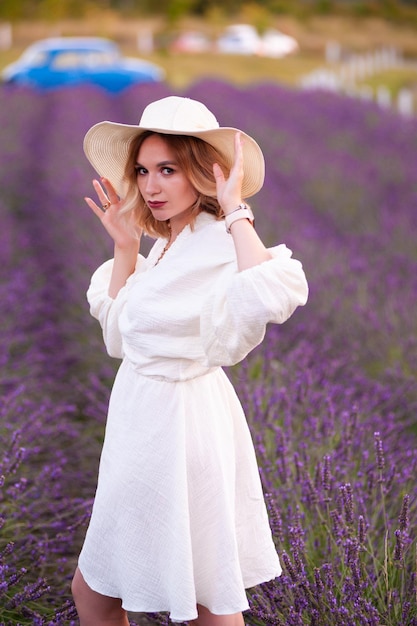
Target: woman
179 522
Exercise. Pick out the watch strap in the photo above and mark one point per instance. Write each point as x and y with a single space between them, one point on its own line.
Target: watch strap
240 213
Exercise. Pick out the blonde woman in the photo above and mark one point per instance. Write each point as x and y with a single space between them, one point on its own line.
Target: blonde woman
179 522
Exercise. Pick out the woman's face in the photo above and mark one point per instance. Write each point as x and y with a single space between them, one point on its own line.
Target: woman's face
162 184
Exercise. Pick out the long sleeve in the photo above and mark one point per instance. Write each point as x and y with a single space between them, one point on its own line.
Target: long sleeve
106 309
235 315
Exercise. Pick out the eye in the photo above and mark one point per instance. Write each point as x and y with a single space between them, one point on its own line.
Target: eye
140 171
167 171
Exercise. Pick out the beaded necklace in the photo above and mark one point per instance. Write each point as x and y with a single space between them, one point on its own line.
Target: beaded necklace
163 251
168 244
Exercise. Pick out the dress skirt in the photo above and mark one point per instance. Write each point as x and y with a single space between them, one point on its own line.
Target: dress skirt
179 516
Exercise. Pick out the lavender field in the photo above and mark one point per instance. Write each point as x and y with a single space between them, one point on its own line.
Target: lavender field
331 396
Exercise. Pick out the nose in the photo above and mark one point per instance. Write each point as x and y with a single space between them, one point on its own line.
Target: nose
152 186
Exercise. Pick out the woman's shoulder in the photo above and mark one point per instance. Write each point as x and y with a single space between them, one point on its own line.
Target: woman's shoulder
208 229
208 225
205 219
209 241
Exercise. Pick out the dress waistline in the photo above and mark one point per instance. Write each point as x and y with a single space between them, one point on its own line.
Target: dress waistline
170 379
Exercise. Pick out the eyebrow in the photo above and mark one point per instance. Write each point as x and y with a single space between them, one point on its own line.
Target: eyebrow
161 164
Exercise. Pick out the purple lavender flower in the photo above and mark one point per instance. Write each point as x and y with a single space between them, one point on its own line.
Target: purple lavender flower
340 191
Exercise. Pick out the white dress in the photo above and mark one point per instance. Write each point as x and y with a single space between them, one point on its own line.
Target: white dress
179 516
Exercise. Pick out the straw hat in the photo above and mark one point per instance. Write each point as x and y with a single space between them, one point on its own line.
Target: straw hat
106 144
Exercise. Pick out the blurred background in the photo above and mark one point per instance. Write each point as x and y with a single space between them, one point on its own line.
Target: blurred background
363 47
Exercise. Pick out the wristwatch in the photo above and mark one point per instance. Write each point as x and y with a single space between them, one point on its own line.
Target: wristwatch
242 212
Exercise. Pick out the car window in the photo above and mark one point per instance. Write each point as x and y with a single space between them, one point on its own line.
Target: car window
82 58
36 59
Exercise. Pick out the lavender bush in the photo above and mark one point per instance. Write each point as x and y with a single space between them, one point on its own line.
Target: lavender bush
331 396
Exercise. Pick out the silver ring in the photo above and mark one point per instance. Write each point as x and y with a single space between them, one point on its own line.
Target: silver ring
105 206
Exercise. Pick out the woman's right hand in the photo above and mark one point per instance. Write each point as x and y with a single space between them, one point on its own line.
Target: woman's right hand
124 235
126 238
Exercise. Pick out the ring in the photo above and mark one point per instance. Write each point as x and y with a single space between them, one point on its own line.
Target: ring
105 206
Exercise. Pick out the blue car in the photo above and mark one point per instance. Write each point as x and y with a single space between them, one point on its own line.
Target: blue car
69 61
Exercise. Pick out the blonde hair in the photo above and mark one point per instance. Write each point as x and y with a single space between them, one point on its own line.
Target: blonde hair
195 157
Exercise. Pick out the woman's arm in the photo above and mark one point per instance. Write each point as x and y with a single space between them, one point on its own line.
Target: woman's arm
126 241
124 266
250 250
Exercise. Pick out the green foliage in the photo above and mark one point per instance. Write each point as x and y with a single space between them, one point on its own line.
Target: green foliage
256 14
9 9
51 10
325 6
174 9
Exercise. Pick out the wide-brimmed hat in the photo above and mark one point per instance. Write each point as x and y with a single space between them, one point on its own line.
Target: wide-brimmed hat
106 144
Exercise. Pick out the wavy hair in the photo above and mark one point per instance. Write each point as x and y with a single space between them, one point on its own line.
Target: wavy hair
195 158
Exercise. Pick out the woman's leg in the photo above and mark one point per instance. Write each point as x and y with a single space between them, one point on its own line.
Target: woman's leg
205 618
95 609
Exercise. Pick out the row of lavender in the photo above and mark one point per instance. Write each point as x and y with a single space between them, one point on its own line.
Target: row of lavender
331 396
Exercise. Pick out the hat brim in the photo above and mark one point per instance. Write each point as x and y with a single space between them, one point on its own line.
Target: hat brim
106 146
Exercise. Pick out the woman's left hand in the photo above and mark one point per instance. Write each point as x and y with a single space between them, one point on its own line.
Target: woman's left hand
229 191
